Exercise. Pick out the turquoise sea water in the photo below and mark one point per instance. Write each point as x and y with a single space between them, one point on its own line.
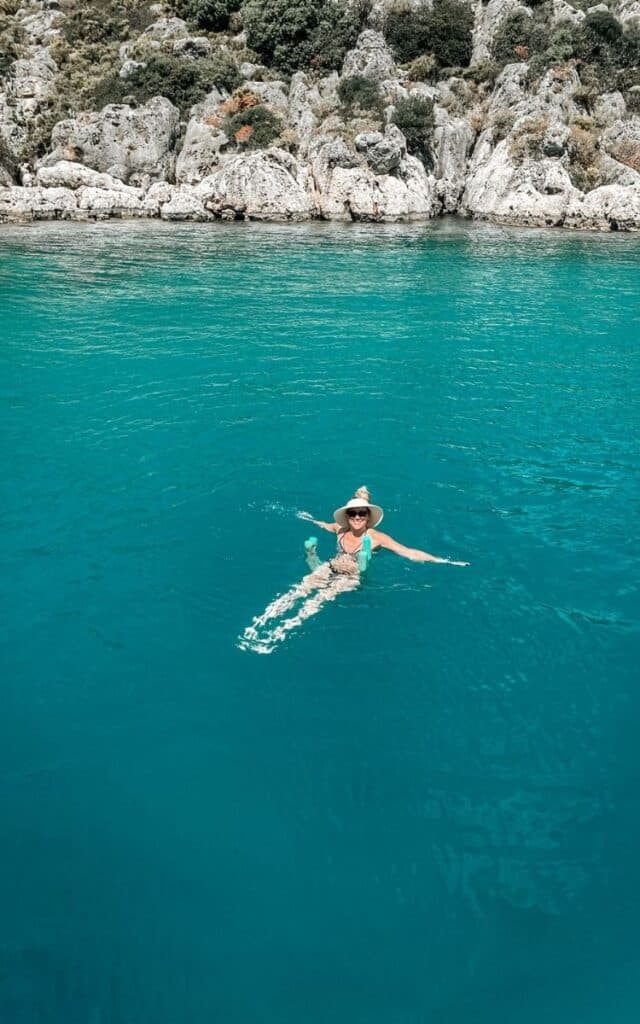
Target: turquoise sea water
421 807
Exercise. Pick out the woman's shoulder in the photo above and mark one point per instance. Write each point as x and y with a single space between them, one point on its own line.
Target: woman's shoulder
377 536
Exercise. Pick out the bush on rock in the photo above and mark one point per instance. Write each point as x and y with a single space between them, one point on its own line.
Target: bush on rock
445 30
415 118
253 127
210 15
180 80
291 35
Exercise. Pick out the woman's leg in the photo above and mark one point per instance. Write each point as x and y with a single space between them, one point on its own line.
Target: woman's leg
339 584
312 581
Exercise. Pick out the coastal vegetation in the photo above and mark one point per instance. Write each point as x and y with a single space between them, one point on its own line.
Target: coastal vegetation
349 89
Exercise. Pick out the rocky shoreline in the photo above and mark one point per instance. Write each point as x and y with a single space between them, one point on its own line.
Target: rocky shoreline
501 153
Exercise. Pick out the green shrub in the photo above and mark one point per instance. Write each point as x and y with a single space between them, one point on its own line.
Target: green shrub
422 69
484 71
294 34
415 118
516 30
443 30
603 25
211 15
105 21
359 92
179 79
252 128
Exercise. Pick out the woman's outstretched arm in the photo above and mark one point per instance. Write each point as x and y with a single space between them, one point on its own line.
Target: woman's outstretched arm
331 527
383 540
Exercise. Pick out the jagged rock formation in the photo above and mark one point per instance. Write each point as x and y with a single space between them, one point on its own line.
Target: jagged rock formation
373 140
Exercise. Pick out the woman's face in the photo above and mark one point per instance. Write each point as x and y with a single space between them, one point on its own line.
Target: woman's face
358 517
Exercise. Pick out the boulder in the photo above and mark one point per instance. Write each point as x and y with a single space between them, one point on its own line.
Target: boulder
32 83
532 192
562 11
609 208
609 107
627 11
184 204
201 150
126 142
192 46
165 29
102 203
371 58
42 27
19 204
67 174
383 153
272 94
346 189
262 185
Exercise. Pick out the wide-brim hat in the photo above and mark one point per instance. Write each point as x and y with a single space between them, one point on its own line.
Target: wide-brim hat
375 512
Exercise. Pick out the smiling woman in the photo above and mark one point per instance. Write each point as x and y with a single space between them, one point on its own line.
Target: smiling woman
357 538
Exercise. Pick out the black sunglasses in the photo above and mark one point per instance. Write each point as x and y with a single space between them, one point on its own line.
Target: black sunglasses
361 512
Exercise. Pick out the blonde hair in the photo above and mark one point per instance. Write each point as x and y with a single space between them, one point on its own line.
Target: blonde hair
363 494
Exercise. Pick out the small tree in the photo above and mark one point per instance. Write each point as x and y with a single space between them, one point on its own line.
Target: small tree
294 34
445 30
212 15
415 119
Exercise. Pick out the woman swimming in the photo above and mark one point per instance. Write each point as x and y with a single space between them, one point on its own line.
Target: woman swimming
356 537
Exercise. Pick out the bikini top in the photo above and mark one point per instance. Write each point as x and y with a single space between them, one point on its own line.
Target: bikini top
362 554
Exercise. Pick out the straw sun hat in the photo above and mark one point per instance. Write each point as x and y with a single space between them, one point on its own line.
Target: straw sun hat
359 500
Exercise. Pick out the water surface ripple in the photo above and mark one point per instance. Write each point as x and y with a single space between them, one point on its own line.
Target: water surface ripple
423 806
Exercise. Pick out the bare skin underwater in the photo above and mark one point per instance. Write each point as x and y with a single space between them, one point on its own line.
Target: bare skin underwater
357 538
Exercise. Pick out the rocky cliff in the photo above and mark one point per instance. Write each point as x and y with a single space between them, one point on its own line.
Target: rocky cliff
379 110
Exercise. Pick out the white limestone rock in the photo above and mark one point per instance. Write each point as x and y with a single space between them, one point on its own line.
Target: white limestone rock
21 205
304 99
184 204
32 83
262 185
42 27
609 208
201 151
609 107
627 11
272 94
129 66
563 11
532 192
102 203
371 57
488 19
126 142
156 196
453 141
167 29
347 189
383 152
67 174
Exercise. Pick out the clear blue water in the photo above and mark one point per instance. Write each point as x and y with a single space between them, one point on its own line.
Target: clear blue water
423 806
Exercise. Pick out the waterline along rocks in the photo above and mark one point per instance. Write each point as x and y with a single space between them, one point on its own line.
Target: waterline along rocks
371 110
